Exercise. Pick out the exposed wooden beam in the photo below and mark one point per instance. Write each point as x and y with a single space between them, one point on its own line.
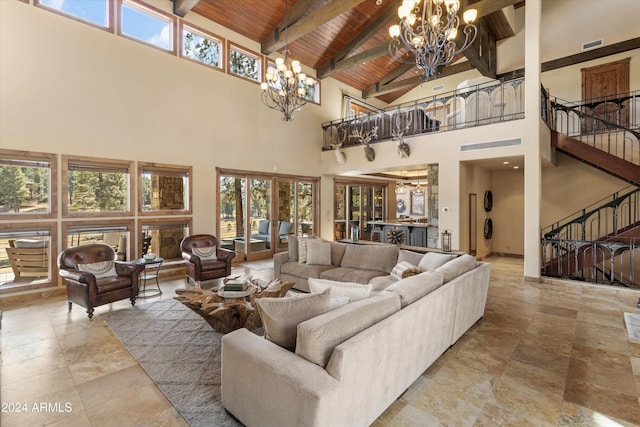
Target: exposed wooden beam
340 62
331 67
379 88
577 58
182 7
482 52
336 64
276 40
294 14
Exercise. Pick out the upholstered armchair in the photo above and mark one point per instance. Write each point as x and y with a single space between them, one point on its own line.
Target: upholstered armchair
205 259
93 276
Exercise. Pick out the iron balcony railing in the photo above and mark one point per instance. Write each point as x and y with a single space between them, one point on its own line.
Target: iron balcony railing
476 105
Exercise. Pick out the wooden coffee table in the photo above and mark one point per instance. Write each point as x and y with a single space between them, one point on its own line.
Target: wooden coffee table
228 311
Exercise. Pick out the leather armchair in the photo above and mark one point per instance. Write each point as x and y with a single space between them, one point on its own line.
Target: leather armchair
84 289
205 269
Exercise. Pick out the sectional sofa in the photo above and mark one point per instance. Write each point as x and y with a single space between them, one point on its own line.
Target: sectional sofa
346 365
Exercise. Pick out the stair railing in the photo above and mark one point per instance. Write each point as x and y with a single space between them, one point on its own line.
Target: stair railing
582 121
587 245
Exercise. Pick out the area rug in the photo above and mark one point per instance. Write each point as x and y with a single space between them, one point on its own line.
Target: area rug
258 265
180 352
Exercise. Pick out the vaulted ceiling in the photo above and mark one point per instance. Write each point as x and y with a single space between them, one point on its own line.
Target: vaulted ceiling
348 39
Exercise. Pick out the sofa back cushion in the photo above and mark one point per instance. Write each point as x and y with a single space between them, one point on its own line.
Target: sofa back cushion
337 252
317 337
433 260
370 257
281 316
410 257
415 287
456 267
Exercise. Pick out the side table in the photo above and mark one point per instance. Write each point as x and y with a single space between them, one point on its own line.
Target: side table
150 272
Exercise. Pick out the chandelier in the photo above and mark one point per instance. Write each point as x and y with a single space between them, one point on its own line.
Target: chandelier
286 86
427 37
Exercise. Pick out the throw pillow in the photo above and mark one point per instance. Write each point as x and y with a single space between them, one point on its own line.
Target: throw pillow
100 269
293 247
403 270
354 291
302 249
31 244
433 260
410 256
318 252
281 316
205 253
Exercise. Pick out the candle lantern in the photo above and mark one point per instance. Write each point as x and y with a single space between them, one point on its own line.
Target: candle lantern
446 241
355 231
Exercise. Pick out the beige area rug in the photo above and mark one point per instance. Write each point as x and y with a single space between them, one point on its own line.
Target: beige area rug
632 322
258 265
180 352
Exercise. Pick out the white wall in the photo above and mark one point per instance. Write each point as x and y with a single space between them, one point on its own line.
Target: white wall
69 88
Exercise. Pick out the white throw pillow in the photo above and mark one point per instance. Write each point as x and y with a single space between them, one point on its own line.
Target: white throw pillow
318 252
100 269
281 316
205 253
354 291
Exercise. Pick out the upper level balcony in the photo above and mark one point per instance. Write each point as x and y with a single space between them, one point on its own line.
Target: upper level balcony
469 105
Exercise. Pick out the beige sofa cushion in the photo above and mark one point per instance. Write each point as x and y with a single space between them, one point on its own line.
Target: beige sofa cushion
433 260
281 316
456 267
337 252
409 256
415 287
292 242
371 257
317 337
354 291
348 274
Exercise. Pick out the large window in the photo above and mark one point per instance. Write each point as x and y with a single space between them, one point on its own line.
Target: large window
94 12
201 46
244 63
165 236
25 184
95 187
116 234
147 24
164 189
27 256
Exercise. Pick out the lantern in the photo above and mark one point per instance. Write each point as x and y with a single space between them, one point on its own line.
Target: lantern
446 241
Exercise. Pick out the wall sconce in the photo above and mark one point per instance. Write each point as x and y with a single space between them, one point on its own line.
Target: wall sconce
446 241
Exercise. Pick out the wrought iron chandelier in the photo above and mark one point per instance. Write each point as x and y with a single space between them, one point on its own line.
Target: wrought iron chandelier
286 86
427 37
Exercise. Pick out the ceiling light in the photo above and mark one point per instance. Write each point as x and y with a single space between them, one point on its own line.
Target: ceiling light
427 36
400 188
286 87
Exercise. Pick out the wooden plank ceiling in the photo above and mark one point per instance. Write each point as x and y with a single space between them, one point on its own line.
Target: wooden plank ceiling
346 39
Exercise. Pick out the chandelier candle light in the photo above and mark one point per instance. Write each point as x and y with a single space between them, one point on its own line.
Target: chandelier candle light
427 37
286 86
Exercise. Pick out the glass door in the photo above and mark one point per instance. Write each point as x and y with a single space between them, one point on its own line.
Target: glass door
258 213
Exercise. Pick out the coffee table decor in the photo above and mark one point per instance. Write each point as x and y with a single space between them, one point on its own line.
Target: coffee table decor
228 310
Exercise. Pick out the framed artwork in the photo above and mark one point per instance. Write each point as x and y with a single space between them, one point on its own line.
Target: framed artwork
417 203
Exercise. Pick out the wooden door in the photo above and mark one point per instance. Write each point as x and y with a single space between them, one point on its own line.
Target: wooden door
603 90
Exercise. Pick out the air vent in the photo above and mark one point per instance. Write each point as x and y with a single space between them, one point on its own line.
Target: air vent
491 144
591 45
438 88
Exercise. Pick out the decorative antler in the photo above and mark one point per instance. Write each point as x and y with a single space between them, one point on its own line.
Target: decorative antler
365 138
396 134
341 158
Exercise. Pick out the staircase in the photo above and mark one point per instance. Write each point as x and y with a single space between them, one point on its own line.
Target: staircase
598 243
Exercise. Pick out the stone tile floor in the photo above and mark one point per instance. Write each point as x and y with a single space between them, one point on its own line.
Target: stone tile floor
544 354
